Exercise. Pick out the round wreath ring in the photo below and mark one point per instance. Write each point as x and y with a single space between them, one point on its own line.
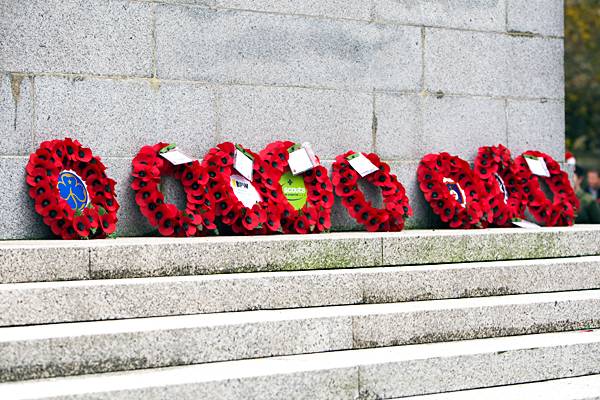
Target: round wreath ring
315 215
90 208
263 217
503 183
147 169
560 211
345 180
453 190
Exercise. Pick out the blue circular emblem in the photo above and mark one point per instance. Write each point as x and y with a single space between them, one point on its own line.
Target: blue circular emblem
73 190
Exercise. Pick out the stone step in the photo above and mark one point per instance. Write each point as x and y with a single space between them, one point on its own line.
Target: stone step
382 373
89 300
91 347
580 388
29 261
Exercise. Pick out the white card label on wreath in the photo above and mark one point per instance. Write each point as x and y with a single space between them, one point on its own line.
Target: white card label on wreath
243 164
244 190
176 157
537 165
302 159
361 164
524 223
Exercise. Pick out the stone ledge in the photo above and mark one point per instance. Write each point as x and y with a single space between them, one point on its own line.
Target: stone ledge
384 373
90 300
42 351
26 261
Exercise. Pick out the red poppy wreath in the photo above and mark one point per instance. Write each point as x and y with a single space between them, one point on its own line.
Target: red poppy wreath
558 211
396 208
148 167
246 206
503 183
454 192
304 200
71 190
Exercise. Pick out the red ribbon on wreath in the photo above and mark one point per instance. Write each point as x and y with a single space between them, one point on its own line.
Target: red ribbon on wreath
503 183
315 214
561 209
396 207
259 218
453 190
71 190
148 167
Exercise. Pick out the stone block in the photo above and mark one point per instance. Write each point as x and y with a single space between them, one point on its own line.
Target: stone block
161 256
343 9
332 121
537 16
461 62
466 62
420 282
536 68
471 14
90 37
460 125
537 125
94 347
56 261
16 114
255 48
464 319
449 246
399 126
481 363
117 117
38 303
17 212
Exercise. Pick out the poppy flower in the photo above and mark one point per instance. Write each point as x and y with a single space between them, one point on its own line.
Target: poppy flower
82 225
250 220
108 222
301 224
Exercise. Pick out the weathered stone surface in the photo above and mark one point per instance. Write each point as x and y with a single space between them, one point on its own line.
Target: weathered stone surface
143 257
462 319
472 14
443 246
399 129
477 363
347 9
93 347
38 303
159 256
22 262
333 121
17 213
16 108
493 64
536 67
579 388
536 16
118 117
242 47
430 282
460 125
536 125
96 37
384 373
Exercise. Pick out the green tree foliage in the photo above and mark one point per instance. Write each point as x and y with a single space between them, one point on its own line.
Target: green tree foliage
582 75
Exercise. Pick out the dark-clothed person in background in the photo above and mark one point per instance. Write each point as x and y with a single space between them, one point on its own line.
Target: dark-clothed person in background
589 209
593 178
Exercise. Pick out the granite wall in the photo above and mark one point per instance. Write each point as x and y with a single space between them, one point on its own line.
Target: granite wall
399 77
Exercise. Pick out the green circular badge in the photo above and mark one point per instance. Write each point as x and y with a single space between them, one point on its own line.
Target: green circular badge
294 189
